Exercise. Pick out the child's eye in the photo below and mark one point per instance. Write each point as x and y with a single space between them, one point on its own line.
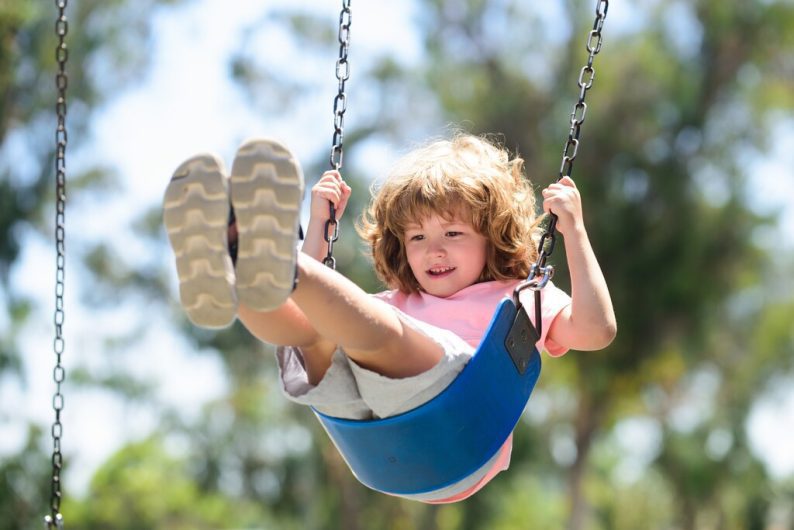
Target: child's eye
416 237
453 233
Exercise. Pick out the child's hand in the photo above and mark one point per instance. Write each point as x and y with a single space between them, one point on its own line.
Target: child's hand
331 188
563 199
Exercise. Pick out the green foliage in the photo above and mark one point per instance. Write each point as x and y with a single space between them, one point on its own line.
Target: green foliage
108 48
703 328
143 487
24 484
528 497
99 31
656 146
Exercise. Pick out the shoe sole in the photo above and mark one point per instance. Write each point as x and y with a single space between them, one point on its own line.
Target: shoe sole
266 191
196 217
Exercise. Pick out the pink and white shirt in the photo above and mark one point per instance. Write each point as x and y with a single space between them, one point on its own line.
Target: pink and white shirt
467 313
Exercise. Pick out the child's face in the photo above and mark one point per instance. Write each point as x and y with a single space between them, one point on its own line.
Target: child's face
445 255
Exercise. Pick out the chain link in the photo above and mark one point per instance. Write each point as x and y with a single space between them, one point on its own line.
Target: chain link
540 272
55 519
569 152
340 106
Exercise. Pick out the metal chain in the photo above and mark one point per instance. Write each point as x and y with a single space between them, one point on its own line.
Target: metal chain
340 106
541 272
55 519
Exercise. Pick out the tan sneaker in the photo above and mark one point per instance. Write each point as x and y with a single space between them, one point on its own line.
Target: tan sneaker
266 191
196 217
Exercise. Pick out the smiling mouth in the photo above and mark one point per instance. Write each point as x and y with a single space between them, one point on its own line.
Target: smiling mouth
440 271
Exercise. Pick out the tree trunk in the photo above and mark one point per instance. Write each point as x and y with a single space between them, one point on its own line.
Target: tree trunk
341 478
588 418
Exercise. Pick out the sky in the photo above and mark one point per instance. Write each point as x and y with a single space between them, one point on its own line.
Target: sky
187 104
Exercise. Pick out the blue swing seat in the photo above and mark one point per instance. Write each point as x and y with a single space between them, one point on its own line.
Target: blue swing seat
453 435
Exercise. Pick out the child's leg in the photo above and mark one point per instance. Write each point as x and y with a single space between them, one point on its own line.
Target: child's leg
289 326
266 193
369 330
328 310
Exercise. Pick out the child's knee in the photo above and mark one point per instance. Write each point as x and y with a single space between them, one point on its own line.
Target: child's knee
317 357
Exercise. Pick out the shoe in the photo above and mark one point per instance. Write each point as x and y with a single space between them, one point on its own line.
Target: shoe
196 217
266 192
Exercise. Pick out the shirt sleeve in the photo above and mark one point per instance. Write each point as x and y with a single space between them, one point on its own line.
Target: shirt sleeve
387 296
552 301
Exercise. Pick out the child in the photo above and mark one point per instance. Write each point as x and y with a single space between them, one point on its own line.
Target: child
452 230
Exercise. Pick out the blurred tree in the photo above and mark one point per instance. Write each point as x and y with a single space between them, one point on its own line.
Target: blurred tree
663 175
107 45
23 484
672 227
142 487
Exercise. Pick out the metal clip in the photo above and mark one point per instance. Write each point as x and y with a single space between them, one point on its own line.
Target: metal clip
534 284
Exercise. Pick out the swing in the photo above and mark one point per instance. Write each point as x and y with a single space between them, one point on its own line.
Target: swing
457 432
454 434
438 443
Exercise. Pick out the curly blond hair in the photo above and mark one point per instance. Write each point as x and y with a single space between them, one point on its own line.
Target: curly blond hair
466 176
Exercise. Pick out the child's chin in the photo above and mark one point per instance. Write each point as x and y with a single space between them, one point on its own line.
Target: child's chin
440 293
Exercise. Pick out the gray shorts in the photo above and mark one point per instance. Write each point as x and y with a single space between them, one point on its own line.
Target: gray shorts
349 391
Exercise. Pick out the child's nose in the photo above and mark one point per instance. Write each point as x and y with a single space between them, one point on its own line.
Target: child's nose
437 248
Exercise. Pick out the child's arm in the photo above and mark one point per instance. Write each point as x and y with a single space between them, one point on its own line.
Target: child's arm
589 322
330 189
